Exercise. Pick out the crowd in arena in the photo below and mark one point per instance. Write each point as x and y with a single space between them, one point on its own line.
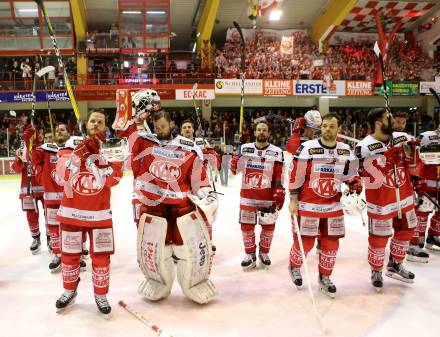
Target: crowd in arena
345 61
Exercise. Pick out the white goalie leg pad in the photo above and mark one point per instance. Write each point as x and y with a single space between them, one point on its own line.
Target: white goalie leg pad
195 259
154 258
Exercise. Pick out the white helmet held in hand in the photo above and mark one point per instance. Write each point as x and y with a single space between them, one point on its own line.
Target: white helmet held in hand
313 119
145 100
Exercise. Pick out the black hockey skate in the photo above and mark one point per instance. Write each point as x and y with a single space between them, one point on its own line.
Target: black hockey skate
397 271
55 264
249 262
103 305
416 254
327 286
377 280
35 245
433 243
264 258
295 275
48 243
67 299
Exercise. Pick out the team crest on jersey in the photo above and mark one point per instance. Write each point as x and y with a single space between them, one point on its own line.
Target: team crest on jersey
165 170
85 183
257 180
375 146
316 150
389 177
325 187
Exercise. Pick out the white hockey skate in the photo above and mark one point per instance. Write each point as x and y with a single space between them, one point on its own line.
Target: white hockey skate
35 245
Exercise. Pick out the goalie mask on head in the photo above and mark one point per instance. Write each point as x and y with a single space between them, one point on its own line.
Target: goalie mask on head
313 119
145 100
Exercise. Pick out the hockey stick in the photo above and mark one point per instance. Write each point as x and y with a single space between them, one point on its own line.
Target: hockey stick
42 73
306 269
242 75
388 111
61 64
139 316
196 109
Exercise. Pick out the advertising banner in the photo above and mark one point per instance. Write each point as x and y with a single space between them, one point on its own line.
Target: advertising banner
358 88
233 87
318 88
277 87
200 94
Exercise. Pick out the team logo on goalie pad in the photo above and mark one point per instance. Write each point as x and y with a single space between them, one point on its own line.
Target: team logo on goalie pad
257 180
325 187
389 177
165 171
85 183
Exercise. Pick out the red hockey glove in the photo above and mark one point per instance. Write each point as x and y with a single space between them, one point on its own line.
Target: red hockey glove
299 125
89 146
419 185
28 133
278 197
293 143
394 155
355 184
234 164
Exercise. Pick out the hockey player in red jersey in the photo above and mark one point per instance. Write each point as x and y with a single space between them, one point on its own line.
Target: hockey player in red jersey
44 159
85 207
319 168
427 187
262 193
210 157
31 191
171 184
303 129
378 162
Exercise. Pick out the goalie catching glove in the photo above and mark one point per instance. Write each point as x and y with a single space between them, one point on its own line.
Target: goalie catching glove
206 203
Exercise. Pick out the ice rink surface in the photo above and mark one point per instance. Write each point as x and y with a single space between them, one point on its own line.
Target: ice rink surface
258 303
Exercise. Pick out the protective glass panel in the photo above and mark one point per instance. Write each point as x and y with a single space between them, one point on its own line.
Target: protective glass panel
27 9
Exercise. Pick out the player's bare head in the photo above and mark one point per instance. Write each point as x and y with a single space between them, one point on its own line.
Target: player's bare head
96 122
161 121
262 131
330 127
48 137
61 133
187 129
378 120
399 121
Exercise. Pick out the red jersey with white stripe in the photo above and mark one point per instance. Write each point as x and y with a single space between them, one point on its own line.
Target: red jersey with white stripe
262 171
317 174
87 184
21 167
429 172
44 159
165 171
381 199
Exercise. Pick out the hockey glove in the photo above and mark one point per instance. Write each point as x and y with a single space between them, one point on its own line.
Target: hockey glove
394 155
234 164
355 184
89 146
28 133
278 197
